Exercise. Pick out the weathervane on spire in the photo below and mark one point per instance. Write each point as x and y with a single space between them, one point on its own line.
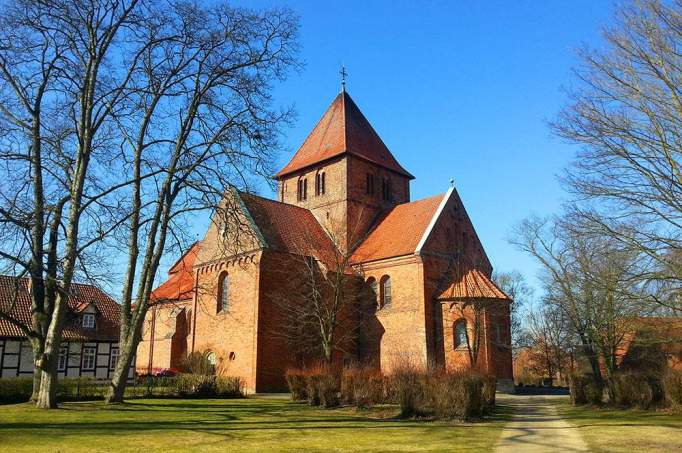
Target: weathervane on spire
343 78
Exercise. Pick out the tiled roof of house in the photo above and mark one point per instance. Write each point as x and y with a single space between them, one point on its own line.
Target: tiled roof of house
180 283
289 228
468 283
343 129
15 299
399 231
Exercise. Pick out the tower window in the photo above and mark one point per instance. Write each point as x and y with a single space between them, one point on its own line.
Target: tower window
223 300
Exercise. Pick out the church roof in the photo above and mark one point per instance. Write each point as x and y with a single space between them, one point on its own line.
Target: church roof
343 129
180 283
289 228
470 283
400 231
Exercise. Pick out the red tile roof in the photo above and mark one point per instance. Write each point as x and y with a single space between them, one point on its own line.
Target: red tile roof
289 228
180 283
15 298
399 231
471 284
342 129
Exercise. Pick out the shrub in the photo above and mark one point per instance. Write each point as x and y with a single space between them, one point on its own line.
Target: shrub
197 363
229 387
585 389
637 390
456 394
672 387
16 389
489 389
296 381
196 385
406 388
362 386
329 388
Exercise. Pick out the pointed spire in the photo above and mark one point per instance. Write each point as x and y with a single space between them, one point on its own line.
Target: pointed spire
343 129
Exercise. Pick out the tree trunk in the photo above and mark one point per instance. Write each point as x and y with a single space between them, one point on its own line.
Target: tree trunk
37 374
47 394
119 380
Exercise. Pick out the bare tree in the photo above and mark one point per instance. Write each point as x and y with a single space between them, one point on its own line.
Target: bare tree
624 111
592 281
203 124
550 339
57 97
120 133
514 284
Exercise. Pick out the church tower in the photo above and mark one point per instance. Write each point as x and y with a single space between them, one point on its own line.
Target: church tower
344 174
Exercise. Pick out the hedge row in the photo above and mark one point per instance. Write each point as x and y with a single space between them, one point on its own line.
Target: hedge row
639 390
18 390
459 395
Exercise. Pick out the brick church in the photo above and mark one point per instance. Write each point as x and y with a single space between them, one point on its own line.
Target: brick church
343 193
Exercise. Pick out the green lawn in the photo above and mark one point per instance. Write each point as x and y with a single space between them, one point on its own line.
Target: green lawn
629 431
255 424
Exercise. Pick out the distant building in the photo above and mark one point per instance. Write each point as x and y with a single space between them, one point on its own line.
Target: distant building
89 341
421 260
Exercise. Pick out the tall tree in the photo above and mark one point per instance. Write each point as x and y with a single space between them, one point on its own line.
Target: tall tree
58 94
625 111
593 281
201 123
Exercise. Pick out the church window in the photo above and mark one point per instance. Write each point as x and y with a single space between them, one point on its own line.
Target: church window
223 301
302 192
320 183
386 296
461 334
372 282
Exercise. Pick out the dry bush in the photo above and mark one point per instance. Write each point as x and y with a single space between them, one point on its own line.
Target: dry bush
455 394
406 384
229 386
296 381
196 385
197 363
323 385
585 390
362 386
672 387
489 389
637 390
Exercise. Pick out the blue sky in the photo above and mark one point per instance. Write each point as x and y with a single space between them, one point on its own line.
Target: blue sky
456 89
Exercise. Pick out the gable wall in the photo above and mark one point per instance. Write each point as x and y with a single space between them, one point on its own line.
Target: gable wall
231 334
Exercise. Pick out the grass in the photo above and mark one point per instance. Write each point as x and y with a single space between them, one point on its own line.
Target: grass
254 424
614 430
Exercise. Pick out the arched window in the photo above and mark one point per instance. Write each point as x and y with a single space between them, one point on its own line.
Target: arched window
320 183
372 282
385 286
223 301
460 333
302 189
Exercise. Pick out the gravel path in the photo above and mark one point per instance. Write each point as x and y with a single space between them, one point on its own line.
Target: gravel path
537 427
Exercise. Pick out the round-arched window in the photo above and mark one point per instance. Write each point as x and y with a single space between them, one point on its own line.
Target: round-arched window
460 334
223 300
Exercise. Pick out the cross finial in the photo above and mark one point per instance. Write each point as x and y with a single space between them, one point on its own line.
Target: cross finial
343 78
452 182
